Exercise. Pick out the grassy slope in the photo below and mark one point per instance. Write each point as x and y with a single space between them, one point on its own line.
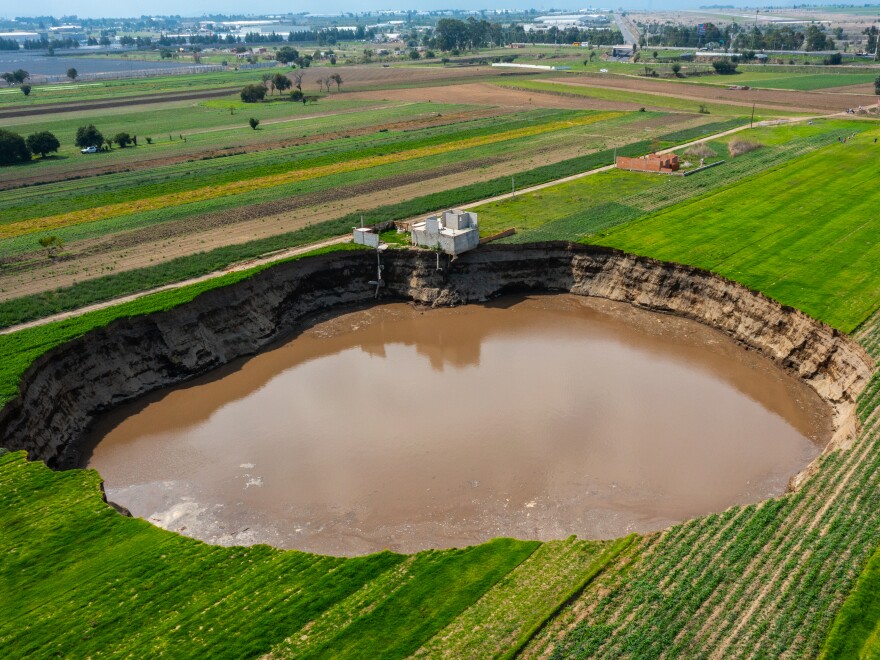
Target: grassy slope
79 580
815 247
856 630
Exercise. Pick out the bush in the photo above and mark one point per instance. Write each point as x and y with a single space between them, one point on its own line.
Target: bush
296 95
724 68
254 122
831 60
701 150
149 140
740 147
414 54
26 90
43 143
676 68
703 109
13 148
877 85
253 93
88 136
122 139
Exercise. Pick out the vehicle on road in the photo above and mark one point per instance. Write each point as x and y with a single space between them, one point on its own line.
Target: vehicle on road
89 150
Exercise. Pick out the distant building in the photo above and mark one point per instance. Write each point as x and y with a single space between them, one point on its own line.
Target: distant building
453 232
622 51
21 37
662 163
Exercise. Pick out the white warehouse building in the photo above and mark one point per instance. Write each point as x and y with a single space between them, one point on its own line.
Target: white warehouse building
453 232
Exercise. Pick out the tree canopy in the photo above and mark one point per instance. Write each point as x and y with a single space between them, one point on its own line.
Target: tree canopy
13 148
43 143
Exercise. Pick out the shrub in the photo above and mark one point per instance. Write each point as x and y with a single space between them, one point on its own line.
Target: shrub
676 68
296 95
149 140
88 136
254 122
739 147
13 148
724 68
43 143
877 85
253 93
833 59
26 90
701 150
122 139
703 109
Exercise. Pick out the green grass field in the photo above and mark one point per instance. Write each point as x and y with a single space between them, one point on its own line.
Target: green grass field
808 246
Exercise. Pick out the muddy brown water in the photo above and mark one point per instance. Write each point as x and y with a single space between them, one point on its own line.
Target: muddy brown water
404 428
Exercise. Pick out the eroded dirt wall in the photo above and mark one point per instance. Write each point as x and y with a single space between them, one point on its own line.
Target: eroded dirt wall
67 388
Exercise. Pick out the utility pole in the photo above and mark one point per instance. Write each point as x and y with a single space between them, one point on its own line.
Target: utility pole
512 187
752 122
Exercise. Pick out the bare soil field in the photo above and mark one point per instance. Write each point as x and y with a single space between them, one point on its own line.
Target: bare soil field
271 142
487 94
795 101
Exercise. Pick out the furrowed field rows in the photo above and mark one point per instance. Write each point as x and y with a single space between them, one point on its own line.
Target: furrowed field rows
101 288
232 188
176 595
524 152
127 186
795 557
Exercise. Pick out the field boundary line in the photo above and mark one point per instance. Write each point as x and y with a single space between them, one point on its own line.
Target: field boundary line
284 254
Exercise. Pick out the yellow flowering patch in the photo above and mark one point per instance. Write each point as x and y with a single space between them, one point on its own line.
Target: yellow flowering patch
238 187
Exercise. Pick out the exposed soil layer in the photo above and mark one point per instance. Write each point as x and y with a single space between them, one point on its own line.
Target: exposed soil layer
67 388
401 427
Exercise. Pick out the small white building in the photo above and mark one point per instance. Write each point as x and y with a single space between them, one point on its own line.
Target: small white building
453 232
366 236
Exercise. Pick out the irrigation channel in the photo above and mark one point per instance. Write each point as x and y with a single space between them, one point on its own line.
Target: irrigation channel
403 427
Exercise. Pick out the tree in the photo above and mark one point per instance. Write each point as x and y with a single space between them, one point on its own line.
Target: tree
281 82
26 90
286 55
414 54
724 67
52 244
337 79
8 77
676 69
13 148
108 142
296 95
20 75
254 122
72 73
267 80
298 79
253 93
877 85
43 143
122 139
88 136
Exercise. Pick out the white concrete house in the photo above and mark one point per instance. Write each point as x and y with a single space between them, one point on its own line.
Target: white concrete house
453 232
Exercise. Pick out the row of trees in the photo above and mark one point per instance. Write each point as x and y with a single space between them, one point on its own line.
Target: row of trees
16 149
770 37
89 136
254 93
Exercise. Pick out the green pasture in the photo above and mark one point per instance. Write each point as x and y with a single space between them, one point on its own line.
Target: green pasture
856 630
191 127
805 233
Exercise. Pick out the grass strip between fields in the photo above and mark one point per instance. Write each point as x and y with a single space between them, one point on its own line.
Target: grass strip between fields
259 183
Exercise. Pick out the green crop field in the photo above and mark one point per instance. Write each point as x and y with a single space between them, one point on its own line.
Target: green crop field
797 81
812 246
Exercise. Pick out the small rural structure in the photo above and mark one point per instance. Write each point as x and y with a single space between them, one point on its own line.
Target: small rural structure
662 163
453 232
366 236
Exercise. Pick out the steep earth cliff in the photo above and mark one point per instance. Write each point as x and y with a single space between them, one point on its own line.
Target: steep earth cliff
68 387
